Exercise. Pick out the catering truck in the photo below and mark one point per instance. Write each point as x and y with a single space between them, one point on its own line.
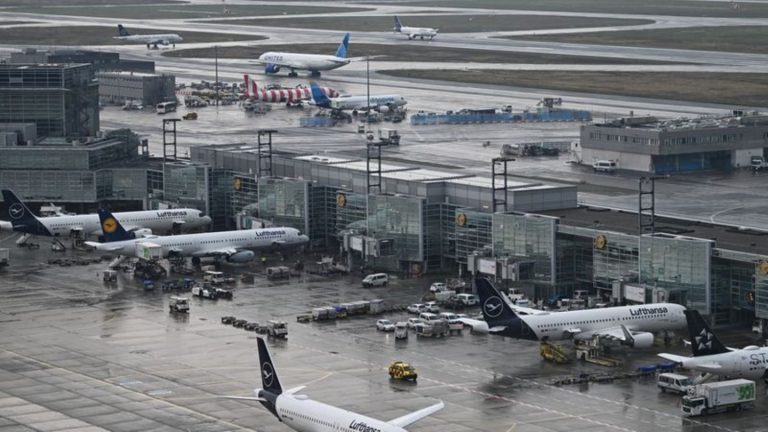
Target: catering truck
714 397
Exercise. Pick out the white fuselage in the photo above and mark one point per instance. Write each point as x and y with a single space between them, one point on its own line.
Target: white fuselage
305 415
159 221
310 62
152 39
648 318
750 363
420 32
361 102
222 243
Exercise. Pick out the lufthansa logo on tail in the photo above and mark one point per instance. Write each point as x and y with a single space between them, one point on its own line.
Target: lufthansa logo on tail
109 225
493 306
16 211
268 374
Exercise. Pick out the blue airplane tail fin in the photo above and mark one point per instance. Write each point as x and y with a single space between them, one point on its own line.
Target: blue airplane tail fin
121 31
319 96
495 309
111 228
22 219
398 24
343 47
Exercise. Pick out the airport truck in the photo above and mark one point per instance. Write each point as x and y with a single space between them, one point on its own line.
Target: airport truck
714 397
5 257
178 304
277 329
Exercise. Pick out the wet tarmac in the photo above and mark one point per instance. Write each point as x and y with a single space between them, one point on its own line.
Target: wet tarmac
76 354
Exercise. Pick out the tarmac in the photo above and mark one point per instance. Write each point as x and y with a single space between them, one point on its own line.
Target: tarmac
76 354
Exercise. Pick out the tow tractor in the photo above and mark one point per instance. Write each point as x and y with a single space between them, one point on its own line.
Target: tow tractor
389 137
178 304
402 371
204 292
278 329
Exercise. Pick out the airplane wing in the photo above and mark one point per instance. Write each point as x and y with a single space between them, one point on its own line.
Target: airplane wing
527 311
290 65
416 415
103 246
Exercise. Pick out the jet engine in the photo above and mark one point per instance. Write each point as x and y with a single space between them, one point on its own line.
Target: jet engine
241 257
140 232
641 340
271 68
382 108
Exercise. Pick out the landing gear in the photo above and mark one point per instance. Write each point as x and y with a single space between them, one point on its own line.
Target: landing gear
293 74
314 74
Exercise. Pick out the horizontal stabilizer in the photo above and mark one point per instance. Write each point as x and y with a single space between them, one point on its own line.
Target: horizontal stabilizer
249 398
294 390
674 357
416 415
103 246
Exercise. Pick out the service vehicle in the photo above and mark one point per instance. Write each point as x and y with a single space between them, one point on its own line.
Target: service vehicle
376 279
432 307
720 396
178 304
401 330
467 299
606 166
417 308
436 328
277 329
428 317
414 322
227 319
389 137
385 325
214 277
110 276
674 382
190 116
278 272
758 163
446 296
204 291
437 287
5 257
166 107
222 293
239 323
402 371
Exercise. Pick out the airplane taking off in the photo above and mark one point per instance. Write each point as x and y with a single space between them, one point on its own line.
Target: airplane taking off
381 103
314 63
136 223
631 325
233 246
282 95
711 356
148 39
302 414
414 32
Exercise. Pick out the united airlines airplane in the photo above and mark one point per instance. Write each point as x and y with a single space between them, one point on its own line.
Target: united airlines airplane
135 223
314 63
414 32
233 246
148 39
381 103
631 325
302 414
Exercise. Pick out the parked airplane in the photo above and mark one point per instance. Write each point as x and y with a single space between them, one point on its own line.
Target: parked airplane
381 103
314 63
281 95
233 246
136 223
631 325
148 39
414 32
711 356
302 414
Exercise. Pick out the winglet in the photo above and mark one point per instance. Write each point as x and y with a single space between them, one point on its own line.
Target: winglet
341 52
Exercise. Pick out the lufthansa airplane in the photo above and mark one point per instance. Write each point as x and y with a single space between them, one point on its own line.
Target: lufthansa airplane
233 246
302 414
631 325
136 223
711 356
148 39
314 63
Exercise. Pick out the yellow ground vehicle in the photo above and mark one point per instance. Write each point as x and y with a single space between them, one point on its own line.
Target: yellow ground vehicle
402 371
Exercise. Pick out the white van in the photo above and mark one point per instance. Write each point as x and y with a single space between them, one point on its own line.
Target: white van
428 317
467 299
608 166
674 382
376 279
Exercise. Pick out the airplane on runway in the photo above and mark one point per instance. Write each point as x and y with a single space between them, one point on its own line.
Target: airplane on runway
136 223
303 414
314 63
381 103
712 357
631 325
149 39
414 32
282 95
233 246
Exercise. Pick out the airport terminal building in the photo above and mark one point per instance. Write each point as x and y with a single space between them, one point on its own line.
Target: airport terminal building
649 145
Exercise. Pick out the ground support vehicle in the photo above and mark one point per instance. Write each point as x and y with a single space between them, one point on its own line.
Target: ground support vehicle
5 257
553 353
109 276
228 319
437 328
389 137
277 329
204 292
674 382
714 397
178 304
223 293
399 370
279 272
401 330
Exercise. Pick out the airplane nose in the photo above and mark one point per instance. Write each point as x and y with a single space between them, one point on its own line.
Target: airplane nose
304 238
206 220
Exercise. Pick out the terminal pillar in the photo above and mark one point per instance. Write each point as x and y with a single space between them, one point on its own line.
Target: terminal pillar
264 151
169 139
499 183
